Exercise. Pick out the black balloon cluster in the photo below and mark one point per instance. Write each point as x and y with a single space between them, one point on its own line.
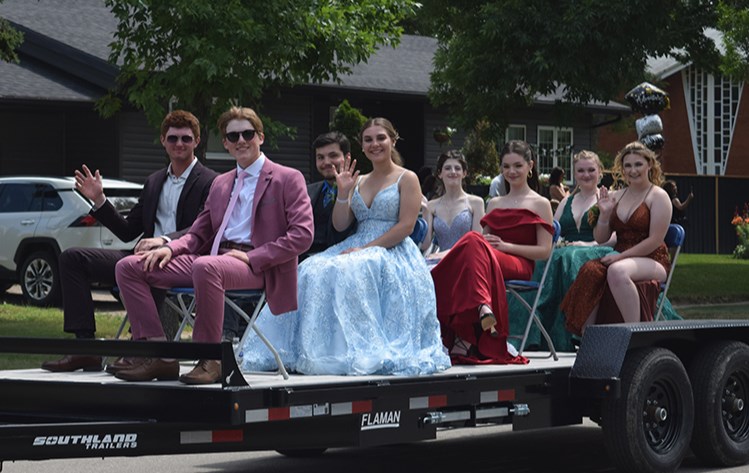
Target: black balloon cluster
649 100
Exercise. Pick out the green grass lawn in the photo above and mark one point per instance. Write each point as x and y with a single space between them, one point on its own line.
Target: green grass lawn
27 321
705 279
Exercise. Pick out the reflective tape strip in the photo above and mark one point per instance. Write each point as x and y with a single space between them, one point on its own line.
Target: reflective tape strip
210 436
427 402
346 408
497 396
278 413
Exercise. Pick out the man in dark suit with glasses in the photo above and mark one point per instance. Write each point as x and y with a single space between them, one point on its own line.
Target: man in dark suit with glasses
170 201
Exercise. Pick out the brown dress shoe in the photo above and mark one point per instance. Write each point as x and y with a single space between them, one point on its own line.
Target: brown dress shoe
73 363
206 372
151 368
123 363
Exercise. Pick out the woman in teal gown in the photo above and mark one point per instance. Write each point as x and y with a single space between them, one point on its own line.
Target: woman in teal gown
576 247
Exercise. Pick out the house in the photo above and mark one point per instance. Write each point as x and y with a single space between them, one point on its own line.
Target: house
48 123
706 150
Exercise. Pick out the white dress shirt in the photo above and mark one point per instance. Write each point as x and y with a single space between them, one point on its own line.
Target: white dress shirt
239 227
166 212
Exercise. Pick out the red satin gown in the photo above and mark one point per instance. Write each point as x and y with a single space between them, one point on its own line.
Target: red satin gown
590 287
472 274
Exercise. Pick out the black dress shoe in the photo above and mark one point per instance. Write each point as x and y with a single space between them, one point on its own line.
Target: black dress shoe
151 368
123 363
73 363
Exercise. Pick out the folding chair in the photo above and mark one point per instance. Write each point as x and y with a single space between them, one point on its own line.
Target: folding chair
515 287
420 231
185 297
674 241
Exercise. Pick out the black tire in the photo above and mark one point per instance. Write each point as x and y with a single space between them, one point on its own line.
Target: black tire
40 280
720 383
648 428
302 452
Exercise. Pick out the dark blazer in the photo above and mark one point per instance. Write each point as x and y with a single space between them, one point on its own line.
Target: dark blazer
334 236
142 217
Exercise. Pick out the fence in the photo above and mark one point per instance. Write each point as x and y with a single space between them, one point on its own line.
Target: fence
716 198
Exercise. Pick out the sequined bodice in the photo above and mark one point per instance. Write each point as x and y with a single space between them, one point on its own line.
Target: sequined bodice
446 235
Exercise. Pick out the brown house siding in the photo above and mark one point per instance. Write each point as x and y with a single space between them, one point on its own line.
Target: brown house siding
738 156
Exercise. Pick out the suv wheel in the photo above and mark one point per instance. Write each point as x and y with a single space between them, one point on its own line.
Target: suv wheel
40 281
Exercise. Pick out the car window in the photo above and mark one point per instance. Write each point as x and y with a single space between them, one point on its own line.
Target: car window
16 197
49 198
122 199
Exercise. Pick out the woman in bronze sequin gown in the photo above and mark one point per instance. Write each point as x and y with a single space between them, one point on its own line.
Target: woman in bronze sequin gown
639 214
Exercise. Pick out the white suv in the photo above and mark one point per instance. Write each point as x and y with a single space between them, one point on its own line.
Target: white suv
40 217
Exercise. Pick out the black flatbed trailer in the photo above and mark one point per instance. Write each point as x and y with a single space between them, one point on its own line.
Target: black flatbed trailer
654 388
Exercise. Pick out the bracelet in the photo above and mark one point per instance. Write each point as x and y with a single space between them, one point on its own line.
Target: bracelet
341 201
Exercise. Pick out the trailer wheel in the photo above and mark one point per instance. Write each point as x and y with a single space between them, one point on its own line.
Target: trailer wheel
649 427
720 380
302 452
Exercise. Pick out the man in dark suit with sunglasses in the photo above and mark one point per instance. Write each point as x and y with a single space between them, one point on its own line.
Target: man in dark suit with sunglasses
257 221
170 201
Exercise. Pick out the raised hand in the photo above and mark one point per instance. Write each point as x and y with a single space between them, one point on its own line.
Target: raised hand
90 185
346 178
606 203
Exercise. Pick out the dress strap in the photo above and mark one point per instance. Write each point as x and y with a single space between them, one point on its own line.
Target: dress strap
399 177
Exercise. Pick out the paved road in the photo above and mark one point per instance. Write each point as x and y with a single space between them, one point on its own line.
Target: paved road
571 449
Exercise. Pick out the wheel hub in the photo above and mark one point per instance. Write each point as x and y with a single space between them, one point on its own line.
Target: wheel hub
735 417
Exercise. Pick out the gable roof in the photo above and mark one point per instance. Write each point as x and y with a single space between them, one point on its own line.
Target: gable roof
72 38
665 66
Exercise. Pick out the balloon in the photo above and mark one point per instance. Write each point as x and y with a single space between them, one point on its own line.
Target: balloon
648 125
653 142
648 99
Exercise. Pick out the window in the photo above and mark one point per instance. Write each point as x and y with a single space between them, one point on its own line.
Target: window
712 107
16 197
515 132
215 149
554 149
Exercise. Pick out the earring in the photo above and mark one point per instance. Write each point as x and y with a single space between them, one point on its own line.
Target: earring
530 173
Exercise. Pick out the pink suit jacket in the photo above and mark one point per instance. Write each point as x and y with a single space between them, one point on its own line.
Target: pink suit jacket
282 229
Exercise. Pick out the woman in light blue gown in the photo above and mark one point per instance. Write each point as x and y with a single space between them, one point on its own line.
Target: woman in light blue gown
366 305
455 212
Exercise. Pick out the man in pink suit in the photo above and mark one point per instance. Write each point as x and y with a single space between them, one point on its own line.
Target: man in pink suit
257 220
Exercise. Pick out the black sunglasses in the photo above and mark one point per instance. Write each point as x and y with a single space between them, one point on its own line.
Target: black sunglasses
233 136
174 138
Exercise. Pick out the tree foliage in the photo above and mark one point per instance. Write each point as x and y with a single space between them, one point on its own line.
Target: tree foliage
349 120
10 39
210 54
733 21
495 56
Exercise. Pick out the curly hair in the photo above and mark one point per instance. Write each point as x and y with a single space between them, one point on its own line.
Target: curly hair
655 175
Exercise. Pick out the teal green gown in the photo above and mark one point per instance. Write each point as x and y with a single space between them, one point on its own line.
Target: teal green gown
565 263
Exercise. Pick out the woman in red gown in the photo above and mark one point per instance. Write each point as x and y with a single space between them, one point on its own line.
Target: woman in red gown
469 281
606 289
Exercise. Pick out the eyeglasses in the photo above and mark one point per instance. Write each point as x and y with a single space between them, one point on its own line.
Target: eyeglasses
174 138
233 136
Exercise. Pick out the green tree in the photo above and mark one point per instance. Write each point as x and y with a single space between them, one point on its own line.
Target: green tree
10 39
495 56
349 120
733 21
208 55
480 151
